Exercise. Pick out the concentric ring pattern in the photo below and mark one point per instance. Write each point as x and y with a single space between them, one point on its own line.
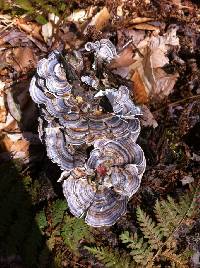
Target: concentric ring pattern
89 124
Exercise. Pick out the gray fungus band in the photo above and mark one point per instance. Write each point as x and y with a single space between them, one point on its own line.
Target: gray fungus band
90 126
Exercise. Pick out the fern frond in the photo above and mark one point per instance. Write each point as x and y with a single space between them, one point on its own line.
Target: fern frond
149 229
193 198
176 259
140 250
110 258
158 240
73 230
41 220
161 216
58 211
170 214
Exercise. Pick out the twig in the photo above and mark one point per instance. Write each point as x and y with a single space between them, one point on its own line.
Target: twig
176 102
56 27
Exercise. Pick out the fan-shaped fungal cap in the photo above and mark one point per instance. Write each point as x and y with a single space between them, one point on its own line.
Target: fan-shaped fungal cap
79 194
106 208
52 77
121 102
103 49
125 180
93 142
100 207
59 152
36 93
117 153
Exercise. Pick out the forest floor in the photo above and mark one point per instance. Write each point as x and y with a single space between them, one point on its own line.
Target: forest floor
36 227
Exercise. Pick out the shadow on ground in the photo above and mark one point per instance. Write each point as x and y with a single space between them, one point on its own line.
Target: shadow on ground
22 243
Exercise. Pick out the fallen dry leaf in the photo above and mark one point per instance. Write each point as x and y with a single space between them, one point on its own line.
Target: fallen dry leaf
140 20
169 39
81 15
145 26
150 80
13 107
139 91
120 12
147 119
124 59
30 28
163 83
158 58
15 144
47 31
10 125
18 38
24 58
135 36
52 17
13 37
7 122
100 20
3 111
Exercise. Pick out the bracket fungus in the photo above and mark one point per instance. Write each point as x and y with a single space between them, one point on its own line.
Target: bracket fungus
89 124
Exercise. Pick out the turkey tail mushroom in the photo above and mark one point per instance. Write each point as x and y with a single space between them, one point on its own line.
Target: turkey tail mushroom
94 146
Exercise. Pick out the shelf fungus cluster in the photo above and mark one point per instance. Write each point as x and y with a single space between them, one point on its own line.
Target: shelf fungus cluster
89 125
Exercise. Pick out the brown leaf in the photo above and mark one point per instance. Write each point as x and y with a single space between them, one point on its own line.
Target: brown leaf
150 80
81 15
100 20
124 59
14 37
15 144
129 34
147 119
158 58
139 90
3 114
3 111
140 20
145 26
10 125
47 31
164 83
30 28
24 58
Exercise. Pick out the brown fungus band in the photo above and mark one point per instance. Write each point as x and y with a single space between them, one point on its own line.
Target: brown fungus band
89 124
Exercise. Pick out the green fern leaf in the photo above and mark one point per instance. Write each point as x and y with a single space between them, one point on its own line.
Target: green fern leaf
73 230
110 259
161 216
150 231
58 211
158 241
142 253
193 195
170 214
176 259
41 220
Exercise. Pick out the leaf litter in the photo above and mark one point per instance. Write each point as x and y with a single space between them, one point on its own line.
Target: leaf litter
157 55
